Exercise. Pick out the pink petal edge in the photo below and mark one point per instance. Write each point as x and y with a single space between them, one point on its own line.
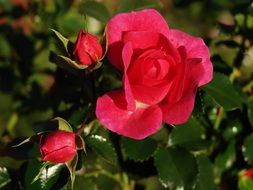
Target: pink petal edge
139 124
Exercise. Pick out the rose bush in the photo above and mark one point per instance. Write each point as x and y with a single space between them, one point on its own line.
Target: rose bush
162 69
58 146
87 49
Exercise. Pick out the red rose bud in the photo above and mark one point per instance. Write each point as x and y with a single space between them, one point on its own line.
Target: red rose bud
87 49
248 173
58 146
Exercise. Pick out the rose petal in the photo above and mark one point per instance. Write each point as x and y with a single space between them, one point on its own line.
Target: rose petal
150 94
148 89
195 48
178 82
56 140
146 40
60 156
127 55
145 20
112 113
179 112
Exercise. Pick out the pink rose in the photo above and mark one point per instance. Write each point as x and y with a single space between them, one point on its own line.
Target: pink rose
87 49
162 69
58 146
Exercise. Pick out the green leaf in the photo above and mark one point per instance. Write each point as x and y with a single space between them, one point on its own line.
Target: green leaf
190 135
223 92
245 183
96 10
64 40
102 147
225 160
176 167
5 47
205 178
250 110
138 150
63 124
84 183
47 178
130 5
4 177
248 149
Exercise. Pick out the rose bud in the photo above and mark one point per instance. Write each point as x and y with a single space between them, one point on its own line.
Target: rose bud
87 49
248 173
58 146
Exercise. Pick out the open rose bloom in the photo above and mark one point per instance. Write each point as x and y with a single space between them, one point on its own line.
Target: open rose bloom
162 69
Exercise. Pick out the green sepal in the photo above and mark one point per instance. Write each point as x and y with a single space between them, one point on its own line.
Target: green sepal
68 45
80 144
71 165
63 125
34 138
65 62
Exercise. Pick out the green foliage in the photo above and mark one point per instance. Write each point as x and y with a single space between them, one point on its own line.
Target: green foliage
137 149
223 92
102 147
190 135
245 183
176 167
4 177
225 160
205 178
47 175
250 109
210 151
248 149
96 10
129 5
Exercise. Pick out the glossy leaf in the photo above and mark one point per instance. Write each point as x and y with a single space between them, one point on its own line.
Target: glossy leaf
190 135
138 150
250 110
223 92
4 177
102 147
205 179
176 167
96 10
225 160
47 178
248 149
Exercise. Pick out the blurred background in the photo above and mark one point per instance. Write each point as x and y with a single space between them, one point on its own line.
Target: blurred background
33 89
